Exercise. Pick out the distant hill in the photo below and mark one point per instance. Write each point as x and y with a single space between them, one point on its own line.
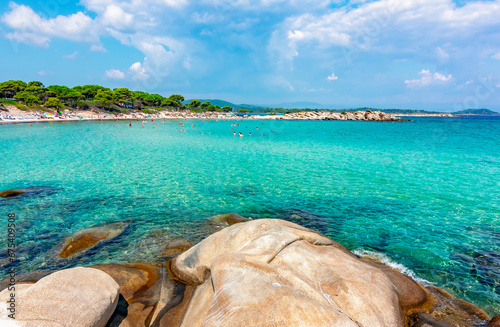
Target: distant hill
482 111
223 103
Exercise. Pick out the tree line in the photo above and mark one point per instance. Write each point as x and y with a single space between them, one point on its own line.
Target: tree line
35 93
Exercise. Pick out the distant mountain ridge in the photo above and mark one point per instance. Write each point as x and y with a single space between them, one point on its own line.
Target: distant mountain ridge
304 105
482 111
223 103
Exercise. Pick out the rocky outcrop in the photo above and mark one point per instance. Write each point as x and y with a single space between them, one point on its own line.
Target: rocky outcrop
271 272
71 297
350 115
146 293
88 238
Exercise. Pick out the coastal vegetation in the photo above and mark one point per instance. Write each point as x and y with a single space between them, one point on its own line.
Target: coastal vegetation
36 96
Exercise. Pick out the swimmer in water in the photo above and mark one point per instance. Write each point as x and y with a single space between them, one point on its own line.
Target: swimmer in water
129 124
234 133
249 134
240 134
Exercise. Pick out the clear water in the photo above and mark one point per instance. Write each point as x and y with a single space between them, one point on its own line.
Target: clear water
424 193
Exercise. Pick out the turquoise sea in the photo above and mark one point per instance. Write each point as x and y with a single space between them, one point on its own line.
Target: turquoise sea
423 195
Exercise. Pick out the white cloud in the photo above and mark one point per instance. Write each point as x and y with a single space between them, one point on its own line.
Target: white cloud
496 56
391 26
139 73
427 78
332 77
116 17
30 28
44 73
71 56
98 48
115 74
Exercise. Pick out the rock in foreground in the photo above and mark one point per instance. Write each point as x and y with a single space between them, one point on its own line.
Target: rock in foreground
265 272
71 297
276 273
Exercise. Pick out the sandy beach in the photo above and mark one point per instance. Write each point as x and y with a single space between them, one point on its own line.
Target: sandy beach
13 115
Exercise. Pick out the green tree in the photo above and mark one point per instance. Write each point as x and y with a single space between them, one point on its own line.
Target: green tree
89 91
227 108
155 100
37 88
176 97
123 94
9 88
28 98
53 103
195 103
36 83
211 108
205 105
243 110
70 97
104 98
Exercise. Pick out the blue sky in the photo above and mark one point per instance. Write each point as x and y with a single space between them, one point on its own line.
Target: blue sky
421 54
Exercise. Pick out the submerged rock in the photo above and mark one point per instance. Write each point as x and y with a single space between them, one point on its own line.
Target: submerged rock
88 238
10 193
70 297
29 191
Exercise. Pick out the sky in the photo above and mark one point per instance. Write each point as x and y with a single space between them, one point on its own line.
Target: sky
418 54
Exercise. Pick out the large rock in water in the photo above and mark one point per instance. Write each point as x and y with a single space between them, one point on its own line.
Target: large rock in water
88 238
276 273
72 297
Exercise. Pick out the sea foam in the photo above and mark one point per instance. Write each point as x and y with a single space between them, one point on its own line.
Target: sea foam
382 258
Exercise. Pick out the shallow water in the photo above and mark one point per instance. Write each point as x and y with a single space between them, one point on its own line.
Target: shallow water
423 193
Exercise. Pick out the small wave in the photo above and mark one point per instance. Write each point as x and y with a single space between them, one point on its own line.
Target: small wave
382 258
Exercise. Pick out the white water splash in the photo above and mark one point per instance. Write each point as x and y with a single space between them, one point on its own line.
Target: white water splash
382 258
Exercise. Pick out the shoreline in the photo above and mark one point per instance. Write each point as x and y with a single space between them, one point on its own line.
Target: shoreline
367 115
